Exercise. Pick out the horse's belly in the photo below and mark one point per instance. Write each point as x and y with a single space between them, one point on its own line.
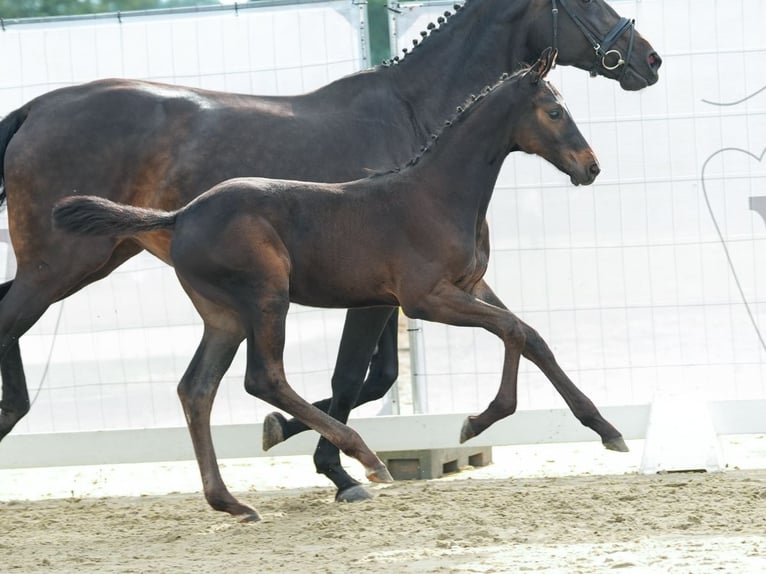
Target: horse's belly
330 292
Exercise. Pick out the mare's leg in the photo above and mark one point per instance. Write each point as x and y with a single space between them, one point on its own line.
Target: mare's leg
20 308
384 366
446 303
537 350
14 402
354 355
24 299
358 334
15 399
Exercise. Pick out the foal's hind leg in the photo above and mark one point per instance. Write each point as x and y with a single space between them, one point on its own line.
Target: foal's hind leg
197 391
537 350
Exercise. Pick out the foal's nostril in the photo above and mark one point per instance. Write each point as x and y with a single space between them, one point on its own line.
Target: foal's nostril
594 169
655 61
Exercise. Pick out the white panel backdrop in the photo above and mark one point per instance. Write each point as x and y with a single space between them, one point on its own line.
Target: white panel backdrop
629 280
111 356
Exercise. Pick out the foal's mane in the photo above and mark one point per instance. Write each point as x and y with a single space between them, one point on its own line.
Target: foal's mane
460 112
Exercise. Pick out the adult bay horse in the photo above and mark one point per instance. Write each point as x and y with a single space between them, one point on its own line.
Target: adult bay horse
159 146
413 237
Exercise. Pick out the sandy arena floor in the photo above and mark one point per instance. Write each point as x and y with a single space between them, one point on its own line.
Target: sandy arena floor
532 511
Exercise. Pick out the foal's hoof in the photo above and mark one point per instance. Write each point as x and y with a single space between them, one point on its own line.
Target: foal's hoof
379 474
356 493
272 430
617 444
251 516
467 431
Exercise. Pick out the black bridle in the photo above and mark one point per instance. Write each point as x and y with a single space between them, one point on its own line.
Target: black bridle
606 56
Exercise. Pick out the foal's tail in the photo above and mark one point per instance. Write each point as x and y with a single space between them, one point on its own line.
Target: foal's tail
92 215
9 125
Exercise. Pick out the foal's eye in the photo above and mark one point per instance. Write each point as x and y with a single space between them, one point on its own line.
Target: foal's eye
554 114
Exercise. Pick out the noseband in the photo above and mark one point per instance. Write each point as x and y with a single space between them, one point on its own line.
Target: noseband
607 57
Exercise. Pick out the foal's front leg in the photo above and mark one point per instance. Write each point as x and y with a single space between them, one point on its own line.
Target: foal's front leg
449 304
265 379
359 339
537 350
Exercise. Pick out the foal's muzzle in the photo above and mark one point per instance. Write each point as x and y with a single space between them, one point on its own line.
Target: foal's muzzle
587 174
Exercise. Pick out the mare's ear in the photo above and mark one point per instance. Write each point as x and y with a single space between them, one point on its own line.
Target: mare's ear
540 69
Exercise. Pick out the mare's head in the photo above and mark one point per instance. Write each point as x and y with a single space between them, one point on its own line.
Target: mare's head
544 126
591 35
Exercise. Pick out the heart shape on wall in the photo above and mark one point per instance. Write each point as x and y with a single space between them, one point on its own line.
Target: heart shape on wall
755 203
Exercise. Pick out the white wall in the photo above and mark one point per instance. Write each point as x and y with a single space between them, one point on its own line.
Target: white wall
628 279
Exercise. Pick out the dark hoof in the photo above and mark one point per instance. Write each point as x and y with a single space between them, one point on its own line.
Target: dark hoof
355 493
272 430
379 474
251 516
467 431
617 444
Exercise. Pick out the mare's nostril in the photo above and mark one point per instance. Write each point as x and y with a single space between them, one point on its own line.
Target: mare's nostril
594 169
655 61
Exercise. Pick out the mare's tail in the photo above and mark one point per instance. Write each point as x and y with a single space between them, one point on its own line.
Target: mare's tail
92 215
9 125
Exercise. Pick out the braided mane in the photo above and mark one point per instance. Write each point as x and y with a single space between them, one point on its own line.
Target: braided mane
460 112
431 29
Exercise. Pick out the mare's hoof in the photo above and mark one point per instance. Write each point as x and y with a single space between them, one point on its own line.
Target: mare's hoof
617 444
251 516
467 431
272 430
355 493
379 474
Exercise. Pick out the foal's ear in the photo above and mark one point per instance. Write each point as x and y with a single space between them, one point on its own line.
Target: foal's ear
540 69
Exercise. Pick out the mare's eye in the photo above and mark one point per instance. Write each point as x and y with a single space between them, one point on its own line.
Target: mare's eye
554 114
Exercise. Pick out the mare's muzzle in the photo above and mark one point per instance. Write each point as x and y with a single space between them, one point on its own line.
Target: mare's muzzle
606 56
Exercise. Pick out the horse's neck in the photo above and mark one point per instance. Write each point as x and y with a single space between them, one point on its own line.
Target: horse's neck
468 52
467 156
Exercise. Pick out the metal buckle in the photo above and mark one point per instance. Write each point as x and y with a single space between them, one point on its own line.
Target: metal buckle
619 63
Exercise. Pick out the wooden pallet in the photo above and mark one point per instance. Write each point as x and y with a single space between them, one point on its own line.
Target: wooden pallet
433 463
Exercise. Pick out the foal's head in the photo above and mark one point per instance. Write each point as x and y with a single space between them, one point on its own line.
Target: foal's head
545 127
